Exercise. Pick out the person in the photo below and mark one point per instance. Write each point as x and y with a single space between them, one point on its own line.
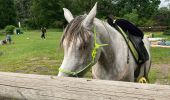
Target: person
3 42
135 35
18 31
161 42
8 38
43 31
164 42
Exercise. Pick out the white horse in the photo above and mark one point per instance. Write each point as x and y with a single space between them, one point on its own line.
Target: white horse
82 51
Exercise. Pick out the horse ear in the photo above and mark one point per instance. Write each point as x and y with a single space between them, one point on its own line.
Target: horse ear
67 14
88 21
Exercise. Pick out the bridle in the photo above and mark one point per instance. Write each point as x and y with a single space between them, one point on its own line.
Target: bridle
87 67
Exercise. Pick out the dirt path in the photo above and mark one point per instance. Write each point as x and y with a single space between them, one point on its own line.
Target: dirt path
162 73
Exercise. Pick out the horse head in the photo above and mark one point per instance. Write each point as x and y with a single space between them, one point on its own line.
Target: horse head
81 50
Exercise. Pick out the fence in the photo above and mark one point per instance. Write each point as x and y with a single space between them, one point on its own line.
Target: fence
154 28
41 87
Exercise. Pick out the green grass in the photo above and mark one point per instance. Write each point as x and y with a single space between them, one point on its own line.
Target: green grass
31 54
159 56
152 75
160 34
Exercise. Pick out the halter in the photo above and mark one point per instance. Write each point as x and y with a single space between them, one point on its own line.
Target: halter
93 54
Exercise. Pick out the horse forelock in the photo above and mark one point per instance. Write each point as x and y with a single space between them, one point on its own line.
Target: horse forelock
74 31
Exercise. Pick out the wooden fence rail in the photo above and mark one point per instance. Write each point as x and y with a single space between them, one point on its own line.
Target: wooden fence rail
154 28
15 86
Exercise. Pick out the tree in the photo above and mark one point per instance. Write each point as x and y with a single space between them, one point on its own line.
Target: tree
23 9
49 13
162 16
7 13
168 1
132 17
46 13
145 8
107 7
77 7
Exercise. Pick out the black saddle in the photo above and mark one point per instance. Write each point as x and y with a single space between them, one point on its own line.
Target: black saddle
135 35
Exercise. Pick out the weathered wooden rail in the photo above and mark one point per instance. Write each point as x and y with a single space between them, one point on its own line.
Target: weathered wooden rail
154 28
40 87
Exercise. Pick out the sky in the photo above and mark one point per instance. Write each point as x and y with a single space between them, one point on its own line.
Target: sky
164 4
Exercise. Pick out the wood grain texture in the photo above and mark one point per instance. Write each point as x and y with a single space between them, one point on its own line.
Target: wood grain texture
17 86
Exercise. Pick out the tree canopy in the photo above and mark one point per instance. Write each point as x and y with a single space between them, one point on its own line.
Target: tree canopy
23 9
7 13
49 13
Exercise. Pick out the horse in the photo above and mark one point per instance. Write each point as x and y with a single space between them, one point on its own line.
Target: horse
89 42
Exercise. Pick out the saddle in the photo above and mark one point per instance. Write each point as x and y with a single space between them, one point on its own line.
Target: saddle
135 35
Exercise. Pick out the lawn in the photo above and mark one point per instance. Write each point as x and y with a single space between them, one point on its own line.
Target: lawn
160 68
161 55
31 54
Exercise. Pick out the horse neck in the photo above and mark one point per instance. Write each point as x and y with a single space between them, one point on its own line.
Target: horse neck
116 49
109 35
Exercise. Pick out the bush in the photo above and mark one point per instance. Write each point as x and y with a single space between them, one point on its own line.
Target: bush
29 24
167 32
132 17
2 32
57 24
9 29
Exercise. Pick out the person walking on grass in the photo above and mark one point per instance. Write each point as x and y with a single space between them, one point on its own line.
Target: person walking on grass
43 31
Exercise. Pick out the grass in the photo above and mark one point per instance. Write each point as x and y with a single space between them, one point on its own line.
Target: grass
31 54
161 55
153 75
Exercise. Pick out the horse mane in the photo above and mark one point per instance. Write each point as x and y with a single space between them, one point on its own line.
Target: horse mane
74 31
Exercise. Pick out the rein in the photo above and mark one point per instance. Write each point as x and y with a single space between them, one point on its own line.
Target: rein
93 54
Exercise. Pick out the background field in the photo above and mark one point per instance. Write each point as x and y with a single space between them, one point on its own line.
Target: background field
31 54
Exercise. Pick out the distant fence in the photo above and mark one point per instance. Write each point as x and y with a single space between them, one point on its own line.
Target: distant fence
154 28
15 86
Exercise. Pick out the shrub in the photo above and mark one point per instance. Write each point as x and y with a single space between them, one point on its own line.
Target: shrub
149 23
57 24
167 32
132 17
9 29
